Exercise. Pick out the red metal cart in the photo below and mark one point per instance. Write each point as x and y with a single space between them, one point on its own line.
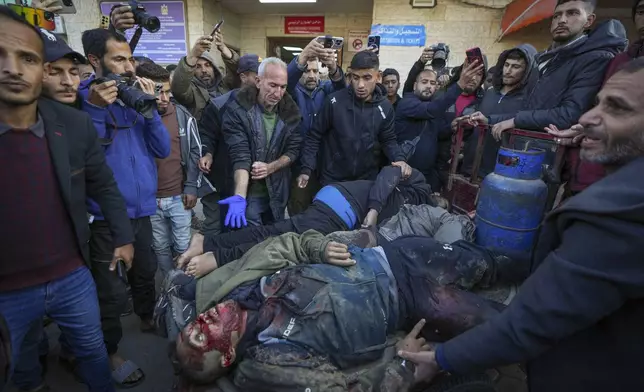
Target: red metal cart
462 191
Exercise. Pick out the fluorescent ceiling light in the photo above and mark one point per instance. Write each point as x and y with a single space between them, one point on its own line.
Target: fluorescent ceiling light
287 1
292 48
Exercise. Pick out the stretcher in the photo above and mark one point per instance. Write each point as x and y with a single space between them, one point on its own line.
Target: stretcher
462 191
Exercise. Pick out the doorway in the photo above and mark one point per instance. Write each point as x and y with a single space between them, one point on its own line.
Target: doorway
286 48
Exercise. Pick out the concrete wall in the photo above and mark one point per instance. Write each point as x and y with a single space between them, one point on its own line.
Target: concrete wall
256 28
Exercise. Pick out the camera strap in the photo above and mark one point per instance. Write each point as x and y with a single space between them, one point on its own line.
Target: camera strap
135 38
106 142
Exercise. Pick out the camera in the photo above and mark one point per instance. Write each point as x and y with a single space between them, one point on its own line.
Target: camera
132 96
441 53
149 22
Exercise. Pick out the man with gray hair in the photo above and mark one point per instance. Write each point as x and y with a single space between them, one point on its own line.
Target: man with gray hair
260 129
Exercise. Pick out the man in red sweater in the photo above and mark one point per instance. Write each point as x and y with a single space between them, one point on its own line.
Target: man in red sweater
52 162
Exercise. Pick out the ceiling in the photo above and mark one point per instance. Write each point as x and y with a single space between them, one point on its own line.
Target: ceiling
321 7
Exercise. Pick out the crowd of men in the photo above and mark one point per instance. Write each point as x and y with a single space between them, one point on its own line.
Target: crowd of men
106 155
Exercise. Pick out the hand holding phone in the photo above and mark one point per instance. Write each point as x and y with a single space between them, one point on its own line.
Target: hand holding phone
329 42
373 44
217 28
474 54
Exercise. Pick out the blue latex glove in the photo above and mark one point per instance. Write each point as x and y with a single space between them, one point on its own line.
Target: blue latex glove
236 215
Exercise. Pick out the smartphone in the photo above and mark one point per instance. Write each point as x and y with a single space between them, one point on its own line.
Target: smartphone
474 54
35 16
373 43
329 42
217 27
121 271
68 6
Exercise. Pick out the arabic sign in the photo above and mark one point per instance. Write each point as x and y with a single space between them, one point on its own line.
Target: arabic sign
303 24
358 40
168 45
400 35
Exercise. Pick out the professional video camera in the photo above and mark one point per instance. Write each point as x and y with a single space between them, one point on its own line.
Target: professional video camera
149 22
441 53
131 95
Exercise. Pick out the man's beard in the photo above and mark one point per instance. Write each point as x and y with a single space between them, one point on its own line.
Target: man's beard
424 95
616 152
106 71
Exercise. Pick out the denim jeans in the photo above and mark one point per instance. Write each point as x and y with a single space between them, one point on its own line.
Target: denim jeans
72 303
28 371
258 211
171 229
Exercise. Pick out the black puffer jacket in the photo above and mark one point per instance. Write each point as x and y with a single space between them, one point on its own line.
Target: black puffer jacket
348 136
242 127
570 77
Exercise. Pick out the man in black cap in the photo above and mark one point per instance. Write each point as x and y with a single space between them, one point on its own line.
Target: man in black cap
62 74
247 69
349 127
214 150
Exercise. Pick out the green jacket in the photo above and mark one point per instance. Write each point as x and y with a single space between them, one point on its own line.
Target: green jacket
286 373
261 260
192 94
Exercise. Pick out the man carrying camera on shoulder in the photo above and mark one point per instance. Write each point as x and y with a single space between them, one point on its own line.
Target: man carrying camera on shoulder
123 109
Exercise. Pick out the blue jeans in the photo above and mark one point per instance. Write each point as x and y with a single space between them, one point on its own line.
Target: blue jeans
72 303
171 230
28 372
258 211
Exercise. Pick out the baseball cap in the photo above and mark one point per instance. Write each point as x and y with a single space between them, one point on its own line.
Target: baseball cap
56 48
248 63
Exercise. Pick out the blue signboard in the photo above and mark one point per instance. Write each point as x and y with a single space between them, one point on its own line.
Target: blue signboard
400 35
169 44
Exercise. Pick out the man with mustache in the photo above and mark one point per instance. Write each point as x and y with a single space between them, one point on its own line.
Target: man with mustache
260 129
56 162
60 83
197 79
62 71
577 320
513 79
131 143
309 93
419 119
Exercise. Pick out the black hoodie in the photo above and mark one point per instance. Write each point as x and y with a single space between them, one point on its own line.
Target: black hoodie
579 317
495 102
351 134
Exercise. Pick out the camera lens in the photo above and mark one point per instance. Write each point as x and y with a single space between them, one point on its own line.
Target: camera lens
68 3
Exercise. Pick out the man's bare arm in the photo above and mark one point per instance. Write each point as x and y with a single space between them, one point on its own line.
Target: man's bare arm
279 164
241 182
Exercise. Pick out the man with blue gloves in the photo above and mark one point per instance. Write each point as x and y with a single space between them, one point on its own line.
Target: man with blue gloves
260 129
123 109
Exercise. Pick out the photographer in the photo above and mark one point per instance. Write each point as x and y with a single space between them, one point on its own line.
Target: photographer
433 57
131 141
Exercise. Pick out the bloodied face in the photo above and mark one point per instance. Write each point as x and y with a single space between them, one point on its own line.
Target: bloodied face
208 344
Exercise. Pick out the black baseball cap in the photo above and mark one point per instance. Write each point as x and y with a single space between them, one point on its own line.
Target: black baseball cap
56 48
248 63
